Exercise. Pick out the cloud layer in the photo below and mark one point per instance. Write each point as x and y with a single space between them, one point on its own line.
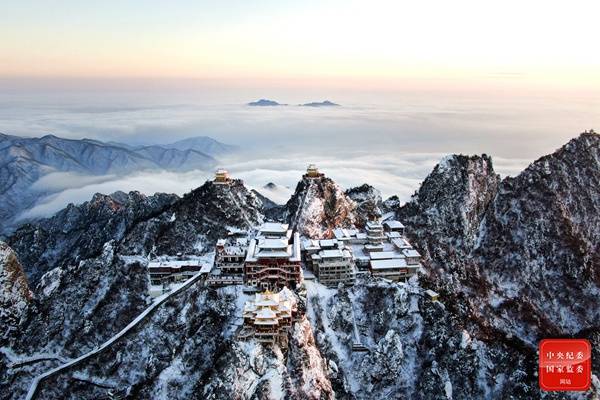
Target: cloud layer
393 174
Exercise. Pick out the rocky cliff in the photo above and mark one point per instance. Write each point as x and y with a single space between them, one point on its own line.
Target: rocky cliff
368 203
15 296
319 205
519 258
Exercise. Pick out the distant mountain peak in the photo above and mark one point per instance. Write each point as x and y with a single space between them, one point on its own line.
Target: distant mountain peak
265 103
325 103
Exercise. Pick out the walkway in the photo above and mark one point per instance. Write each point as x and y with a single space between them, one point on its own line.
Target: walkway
158 301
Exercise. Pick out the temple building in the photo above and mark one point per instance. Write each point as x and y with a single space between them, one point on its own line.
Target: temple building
375 237
313 172
391 268
273 259
268 316
222 177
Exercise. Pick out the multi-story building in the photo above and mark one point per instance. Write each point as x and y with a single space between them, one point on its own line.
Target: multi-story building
334 266
268 316
273 259
230 254
330 260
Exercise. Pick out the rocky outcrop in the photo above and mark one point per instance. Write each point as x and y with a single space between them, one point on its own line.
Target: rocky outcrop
416 348
15 296
166 356
541 240
318 206
77 307
368 203
445 214
271 373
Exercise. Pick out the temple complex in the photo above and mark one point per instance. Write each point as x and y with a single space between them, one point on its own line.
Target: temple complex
381 250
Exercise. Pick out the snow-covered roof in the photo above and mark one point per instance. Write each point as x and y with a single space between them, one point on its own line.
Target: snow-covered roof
274 248
383 255
393 235
389 263
342 233
411 253
334 253
268 308
374 225
273 227
327 242
401 243
393 224
310 244
272 244
265 313
266 299
173 263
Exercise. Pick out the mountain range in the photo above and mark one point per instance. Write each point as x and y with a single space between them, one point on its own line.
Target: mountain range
23 161
514 260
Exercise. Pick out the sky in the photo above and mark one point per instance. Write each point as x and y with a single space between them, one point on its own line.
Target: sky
416 80
348 43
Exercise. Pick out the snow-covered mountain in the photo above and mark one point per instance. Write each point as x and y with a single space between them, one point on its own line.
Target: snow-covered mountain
317 206
525 250
23 161
514 260
203 144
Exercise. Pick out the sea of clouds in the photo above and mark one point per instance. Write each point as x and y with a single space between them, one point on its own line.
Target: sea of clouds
391 145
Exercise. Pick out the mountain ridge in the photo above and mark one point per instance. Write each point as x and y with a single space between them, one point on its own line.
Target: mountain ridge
23 161
490 247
